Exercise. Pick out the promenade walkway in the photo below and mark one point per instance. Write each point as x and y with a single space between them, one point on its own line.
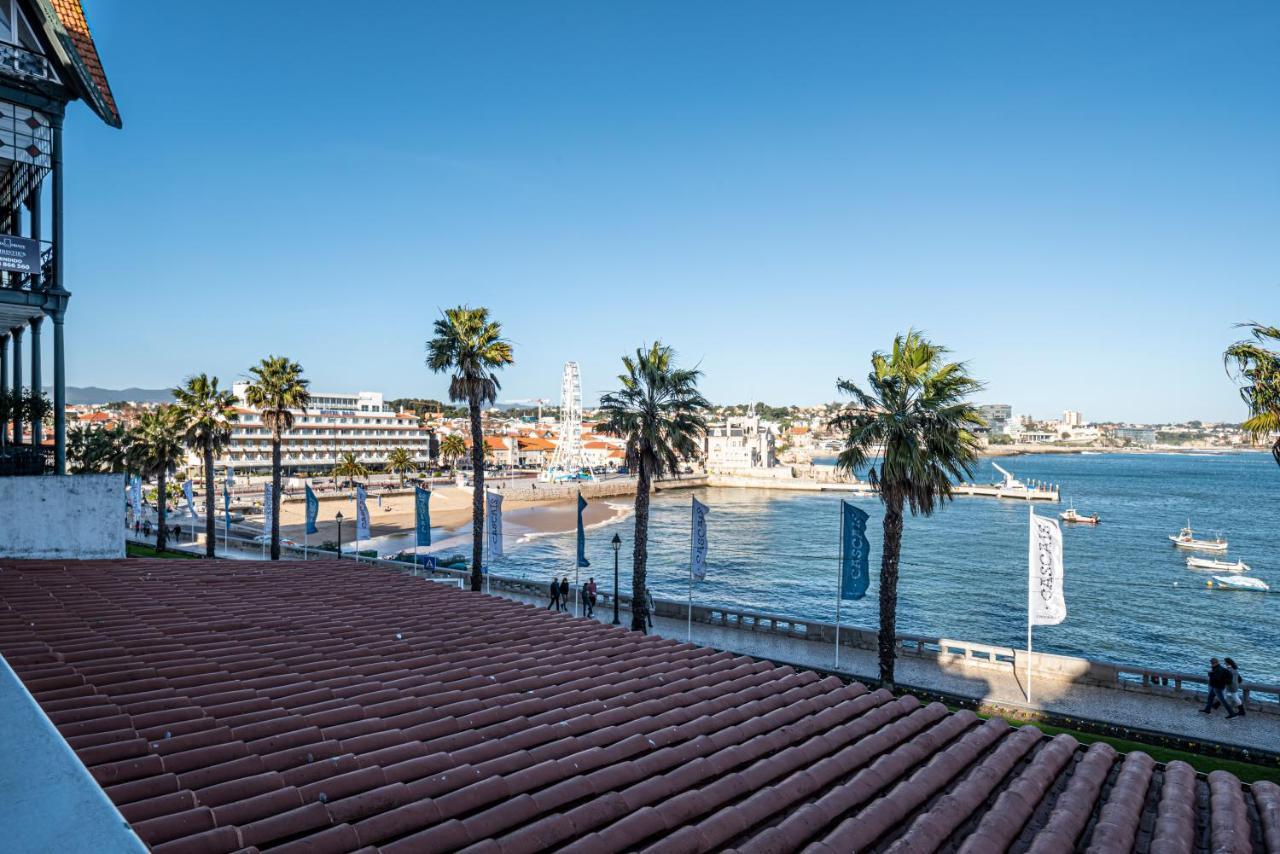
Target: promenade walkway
1177 717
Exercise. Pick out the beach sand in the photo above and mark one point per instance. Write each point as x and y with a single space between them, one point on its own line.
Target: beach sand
450 509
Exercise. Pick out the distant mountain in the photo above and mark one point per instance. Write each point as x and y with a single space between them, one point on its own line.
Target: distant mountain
93 394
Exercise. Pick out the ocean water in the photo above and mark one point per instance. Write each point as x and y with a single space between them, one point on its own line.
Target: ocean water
1130 597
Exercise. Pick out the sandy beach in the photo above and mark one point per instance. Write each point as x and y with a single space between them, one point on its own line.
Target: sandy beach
450 510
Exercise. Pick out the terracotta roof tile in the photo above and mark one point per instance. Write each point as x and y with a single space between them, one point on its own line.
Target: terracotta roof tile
71 14
241 706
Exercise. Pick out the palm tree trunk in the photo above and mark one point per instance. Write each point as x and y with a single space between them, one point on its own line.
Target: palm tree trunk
208 501
887 641
275 494
640 555
162 538
477 496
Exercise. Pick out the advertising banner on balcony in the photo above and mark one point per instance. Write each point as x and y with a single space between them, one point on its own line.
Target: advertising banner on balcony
19 254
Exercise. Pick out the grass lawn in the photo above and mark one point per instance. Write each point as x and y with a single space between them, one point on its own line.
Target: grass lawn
1246 771
135 550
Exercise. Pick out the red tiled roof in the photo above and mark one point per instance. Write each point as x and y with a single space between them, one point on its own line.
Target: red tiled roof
228 705
71 14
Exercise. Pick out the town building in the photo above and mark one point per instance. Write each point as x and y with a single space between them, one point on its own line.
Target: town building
1141 436
47 59
997 416
742 443
358 423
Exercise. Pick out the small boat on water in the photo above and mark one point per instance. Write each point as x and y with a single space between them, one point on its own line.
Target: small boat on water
1216 565
1186 539
1238 582
1072 517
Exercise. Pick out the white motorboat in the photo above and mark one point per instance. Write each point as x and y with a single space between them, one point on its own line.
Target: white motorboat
1186 539
1238 582
1072 517
1216 565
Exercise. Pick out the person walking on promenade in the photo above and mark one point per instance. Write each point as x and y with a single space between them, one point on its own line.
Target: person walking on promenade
555 595
1219 679
590 590
564 593
1235 689
648 600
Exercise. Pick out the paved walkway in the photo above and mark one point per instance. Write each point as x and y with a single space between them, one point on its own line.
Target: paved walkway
1179 717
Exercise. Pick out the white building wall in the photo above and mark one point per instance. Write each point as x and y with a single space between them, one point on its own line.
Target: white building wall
73 517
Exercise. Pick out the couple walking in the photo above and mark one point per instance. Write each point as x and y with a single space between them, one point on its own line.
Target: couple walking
559 595
1225 689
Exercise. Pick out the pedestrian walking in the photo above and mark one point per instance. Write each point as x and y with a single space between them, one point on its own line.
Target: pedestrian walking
555 595
564 593
648 602
1219 679
590 589
1235 689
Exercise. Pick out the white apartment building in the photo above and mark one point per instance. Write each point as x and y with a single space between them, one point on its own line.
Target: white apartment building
334 424
742 443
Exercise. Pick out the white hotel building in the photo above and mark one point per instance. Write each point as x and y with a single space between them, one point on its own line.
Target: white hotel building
333 425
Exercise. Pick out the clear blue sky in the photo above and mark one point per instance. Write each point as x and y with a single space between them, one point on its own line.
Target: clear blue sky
1080 201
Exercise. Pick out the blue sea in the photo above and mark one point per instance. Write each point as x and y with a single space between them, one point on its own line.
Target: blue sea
1130 597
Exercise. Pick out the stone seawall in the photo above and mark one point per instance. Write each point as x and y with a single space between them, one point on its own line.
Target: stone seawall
602 489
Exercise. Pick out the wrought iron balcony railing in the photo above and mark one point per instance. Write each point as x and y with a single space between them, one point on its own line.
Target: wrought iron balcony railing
17 61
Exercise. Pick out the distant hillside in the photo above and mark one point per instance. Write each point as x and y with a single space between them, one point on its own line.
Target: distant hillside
93 394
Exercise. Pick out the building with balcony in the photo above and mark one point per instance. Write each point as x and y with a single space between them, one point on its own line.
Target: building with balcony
334 424
741 444
47 60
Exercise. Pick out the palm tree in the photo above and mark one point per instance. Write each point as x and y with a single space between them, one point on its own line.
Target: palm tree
276 391
348 466
1259 368
661 415
471 347
207 415
915 407
453 447
155 448
94 450
400 461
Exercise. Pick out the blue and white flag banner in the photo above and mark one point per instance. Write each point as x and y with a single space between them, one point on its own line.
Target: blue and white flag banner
855 551
313 510
493 533
1046 604
226 513
268 509
379 497
189 495
362 513
422 514
582 534
231 476
137 496
698 541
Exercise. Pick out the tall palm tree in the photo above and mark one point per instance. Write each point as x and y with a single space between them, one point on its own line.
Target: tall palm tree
276 391
915 406
102 449
1259 369
155 448
349 467
453 447
207 414
400 461
470 346
662 417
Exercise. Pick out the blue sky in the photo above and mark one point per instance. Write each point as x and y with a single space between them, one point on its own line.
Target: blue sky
1079 200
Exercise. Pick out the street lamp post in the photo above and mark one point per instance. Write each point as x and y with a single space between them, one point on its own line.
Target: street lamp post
617 544
339 520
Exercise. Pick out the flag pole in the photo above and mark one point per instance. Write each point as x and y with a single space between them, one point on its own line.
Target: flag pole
1031 521
839 581
689 608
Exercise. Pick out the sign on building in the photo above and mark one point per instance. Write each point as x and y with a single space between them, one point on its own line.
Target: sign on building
19 254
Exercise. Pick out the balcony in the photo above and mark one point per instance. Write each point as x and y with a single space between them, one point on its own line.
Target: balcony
19 62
